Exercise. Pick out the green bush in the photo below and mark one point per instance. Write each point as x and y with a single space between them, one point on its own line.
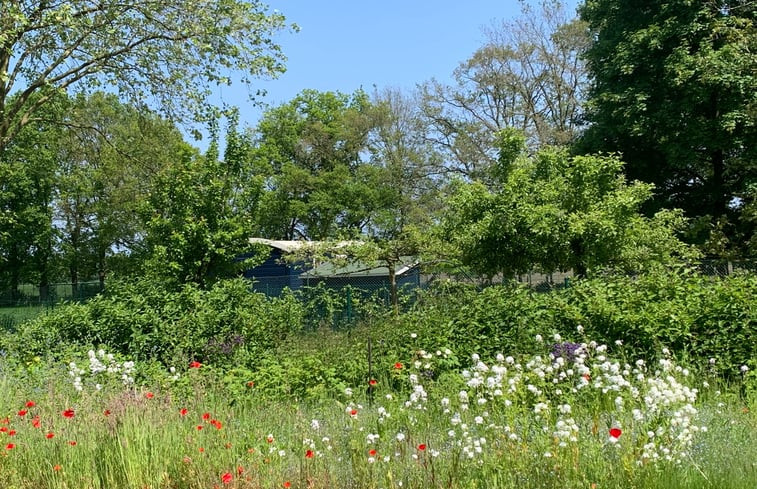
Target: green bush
143 320
694 316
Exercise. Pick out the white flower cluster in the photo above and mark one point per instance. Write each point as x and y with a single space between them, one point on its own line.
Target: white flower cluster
538 394
102 367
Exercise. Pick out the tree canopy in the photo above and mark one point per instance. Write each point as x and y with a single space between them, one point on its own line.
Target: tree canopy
166 53
555 212
675 92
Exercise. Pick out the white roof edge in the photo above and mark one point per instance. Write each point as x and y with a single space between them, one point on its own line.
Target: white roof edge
283 245
290 246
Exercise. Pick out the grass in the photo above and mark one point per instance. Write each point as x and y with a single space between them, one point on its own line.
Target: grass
10 316
419 432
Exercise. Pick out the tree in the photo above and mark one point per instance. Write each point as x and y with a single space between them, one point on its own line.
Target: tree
310 151
675 92
27 189
170 52
557 212
197 218
528 76
109 157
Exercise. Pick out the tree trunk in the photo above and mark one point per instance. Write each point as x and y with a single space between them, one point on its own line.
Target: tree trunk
579 260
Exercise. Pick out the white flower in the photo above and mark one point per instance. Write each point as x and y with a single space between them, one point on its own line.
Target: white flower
400 436
744 369
538 338
413 335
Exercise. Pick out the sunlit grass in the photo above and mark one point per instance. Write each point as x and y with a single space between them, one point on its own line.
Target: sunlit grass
417 432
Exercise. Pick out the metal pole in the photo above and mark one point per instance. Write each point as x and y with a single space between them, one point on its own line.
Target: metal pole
370 372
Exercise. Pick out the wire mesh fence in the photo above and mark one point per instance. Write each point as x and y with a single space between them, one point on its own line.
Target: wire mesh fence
28 301
337 301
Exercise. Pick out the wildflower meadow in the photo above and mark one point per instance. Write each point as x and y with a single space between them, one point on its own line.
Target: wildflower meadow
550 409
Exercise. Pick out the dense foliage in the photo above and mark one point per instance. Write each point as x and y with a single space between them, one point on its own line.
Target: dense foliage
699 319
674 91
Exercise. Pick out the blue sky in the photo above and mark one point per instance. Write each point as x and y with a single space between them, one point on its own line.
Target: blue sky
347 44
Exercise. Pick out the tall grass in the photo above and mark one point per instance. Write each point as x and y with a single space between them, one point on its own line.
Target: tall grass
409 429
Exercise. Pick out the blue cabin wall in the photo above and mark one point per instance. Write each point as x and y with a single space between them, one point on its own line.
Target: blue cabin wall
273 275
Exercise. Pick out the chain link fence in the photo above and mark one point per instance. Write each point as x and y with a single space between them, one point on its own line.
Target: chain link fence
336 301
28 301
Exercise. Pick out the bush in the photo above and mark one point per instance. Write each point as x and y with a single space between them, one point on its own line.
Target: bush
223 325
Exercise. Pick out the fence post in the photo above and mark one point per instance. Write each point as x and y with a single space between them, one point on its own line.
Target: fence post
349 304
370 372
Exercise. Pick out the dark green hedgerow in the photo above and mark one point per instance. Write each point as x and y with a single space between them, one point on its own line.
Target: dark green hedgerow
226 324
696 317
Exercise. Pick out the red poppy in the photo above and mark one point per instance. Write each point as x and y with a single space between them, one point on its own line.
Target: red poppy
183 411
106 412
11 432
35 421
309 454
56 467
30 404
398 365
201 449
615 433
49 435
10 446
149 395
422 447
250 384
372 453
72 443
287 484
269 439
353 413
68 413
3 429
216 423
195 364
372 382
227 478
22 412
199 427
205 416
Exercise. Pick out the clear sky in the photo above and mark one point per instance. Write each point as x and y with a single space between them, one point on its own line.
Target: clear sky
347 44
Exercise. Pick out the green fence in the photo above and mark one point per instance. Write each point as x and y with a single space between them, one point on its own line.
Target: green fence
28 301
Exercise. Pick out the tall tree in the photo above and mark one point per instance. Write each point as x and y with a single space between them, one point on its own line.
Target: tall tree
675 91
110 156
171 52
28 180
311 152
528 76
